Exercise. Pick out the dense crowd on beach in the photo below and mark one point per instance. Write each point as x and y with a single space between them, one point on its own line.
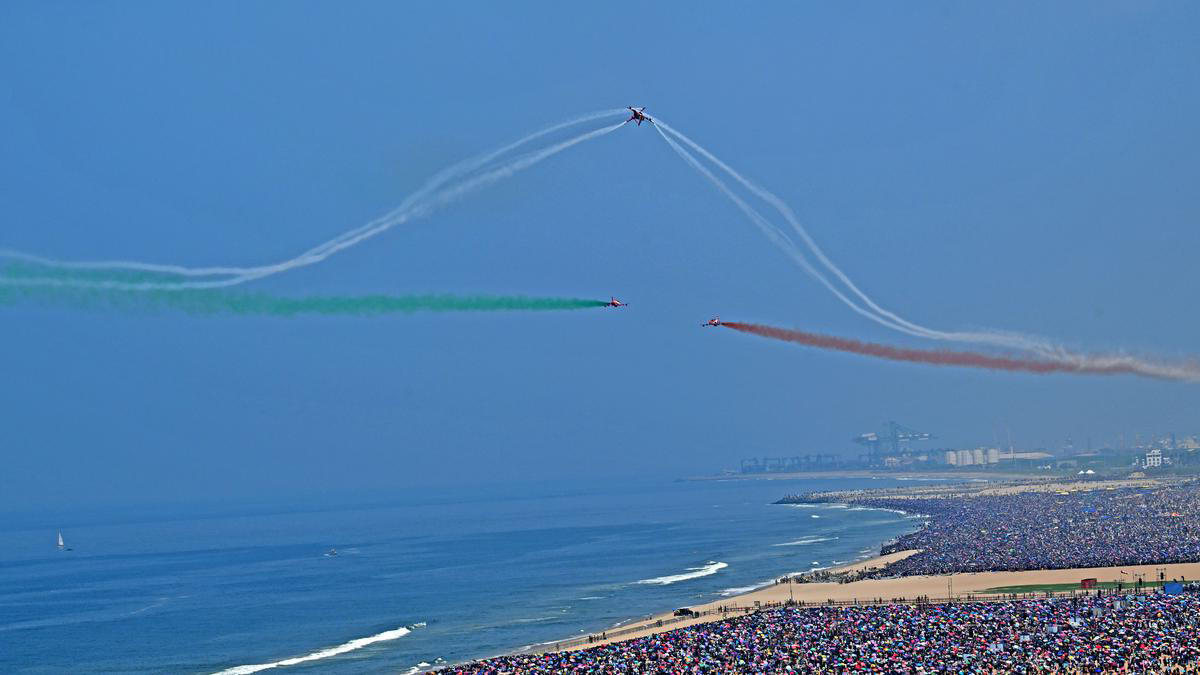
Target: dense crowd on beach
1148 633
1047 530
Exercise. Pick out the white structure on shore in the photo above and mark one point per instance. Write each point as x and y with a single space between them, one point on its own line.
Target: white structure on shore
977 457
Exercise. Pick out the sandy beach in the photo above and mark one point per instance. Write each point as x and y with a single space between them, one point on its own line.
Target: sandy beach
959 586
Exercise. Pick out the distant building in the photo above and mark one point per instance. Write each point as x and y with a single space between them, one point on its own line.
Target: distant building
993 455
952 458
965 458
1154 459
978 457
1025 455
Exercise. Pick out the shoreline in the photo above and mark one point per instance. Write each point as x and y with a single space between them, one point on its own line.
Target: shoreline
955 587
960 476
960 587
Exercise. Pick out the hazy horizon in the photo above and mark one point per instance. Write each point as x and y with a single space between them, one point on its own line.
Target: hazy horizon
1020 168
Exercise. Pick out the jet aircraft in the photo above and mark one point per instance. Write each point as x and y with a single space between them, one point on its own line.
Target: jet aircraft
639 114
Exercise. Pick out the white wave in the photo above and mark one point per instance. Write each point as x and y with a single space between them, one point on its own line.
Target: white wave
536 619
593 597
805 541
711 567
743 589
343 648
814 516
804 506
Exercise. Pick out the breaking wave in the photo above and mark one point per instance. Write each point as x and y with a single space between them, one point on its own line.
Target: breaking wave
343 648
711 567
805 541
743 589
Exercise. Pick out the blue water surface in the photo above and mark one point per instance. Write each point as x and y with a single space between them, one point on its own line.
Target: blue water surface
468 573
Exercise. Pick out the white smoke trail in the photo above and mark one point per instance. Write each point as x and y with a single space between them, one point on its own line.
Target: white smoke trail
777 236
1000 339
420 203
1187 371
468 165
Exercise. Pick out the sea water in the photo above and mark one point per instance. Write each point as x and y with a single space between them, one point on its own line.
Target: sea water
421 581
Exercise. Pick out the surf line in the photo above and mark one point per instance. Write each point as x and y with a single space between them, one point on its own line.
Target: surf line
343 648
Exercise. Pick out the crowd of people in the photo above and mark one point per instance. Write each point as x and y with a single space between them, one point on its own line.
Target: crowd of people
1047 530
1133 633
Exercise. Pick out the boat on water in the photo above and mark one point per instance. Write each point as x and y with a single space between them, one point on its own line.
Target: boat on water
61 545
331 553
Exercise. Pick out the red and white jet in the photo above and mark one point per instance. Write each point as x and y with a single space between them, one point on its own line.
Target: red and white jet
639 114
715 321
616 303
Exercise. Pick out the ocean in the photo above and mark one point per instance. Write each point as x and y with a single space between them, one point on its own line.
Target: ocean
418 582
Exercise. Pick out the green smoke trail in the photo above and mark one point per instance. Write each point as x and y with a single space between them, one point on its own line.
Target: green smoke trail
214 302
210 302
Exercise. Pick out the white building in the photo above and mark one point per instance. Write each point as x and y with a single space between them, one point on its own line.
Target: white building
965 458
978 457
1154 459
993 455
952 458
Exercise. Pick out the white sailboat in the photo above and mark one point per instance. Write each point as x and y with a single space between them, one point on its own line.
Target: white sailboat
61 545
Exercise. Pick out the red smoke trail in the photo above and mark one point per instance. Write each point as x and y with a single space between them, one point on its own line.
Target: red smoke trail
938 357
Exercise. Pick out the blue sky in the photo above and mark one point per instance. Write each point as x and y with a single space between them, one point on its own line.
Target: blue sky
1012 166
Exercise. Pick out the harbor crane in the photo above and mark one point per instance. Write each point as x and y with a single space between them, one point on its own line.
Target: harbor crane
894 440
